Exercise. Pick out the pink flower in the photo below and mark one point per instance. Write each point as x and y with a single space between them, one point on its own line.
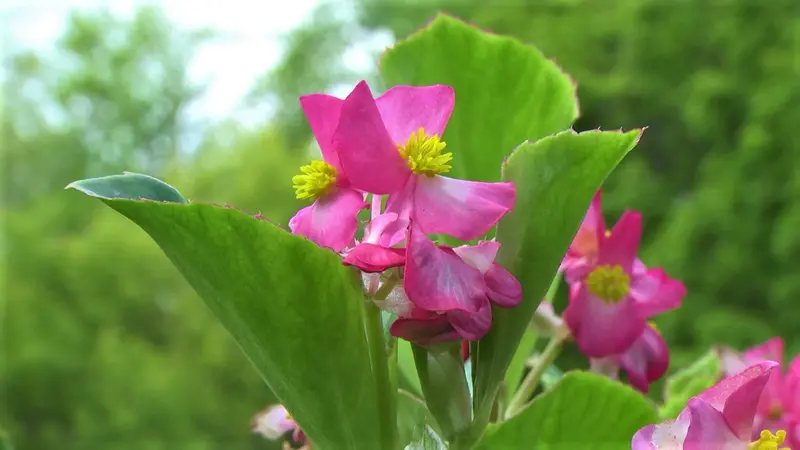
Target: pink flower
779 407
612 293
391 145
645 361
274 422
450 290
721 418
331 220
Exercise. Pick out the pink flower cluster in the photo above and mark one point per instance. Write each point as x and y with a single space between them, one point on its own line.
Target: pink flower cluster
612 294
779 406
722 417
391 146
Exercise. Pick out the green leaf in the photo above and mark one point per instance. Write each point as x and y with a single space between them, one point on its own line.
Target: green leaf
556 178
690 381
412 415
307 339
407 367
444 384
516 368
506 92
585 411
133 186
427 439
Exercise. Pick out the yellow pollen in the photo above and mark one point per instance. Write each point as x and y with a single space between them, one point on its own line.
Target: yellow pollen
314 180
610 283
769 441
424 154
654 326
608 233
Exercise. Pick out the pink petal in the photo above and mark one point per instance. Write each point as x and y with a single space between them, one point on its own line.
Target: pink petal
424 331
708 429
737 396
791 390
623 244
399 203
576 269
643 439
668 435
322 112
377 227
463 209
602 329
731 360
273 422
373 258
406 109
331 220
369 157
504 289
646 360
438 280
480 256
590 233
655 292
772 350
472 326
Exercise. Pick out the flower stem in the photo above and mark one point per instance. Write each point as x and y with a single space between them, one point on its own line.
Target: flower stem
387 408
531 381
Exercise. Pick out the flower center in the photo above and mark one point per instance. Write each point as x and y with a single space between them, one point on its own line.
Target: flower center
769 441
314 180
610 283
424 154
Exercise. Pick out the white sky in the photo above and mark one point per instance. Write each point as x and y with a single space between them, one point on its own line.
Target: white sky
253 30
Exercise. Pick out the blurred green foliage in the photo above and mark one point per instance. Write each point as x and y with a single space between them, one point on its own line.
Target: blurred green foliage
105 346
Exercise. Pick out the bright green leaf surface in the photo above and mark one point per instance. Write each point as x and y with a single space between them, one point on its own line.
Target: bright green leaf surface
690 381
506 92
584 411
556 178
306 338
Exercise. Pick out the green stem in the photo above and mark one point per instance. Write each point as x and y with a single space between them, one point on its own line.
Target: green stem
531 381
387 409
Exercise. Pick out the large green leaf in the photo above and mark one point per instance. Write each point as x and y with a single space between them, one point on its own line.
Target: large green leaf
556 178
294 309
506 92
584 410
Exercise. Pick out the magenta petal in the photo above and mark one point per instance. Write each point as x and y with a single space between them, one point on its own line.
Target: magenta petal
438 280
472 326
602 329
655 292
480 256
504 289
369 158
424 331
591 232
643 439
708 429
791 391
463 209
623 244
322 112
772 350
646 360
331 220
737 396
406 109
373 258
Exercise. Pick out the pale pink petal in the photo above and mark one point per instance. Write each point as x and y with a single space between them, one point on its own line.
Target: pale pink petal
463 209
601 328
646 360
322 112
643 439
621 246
737 396
731 360
708 429
655 292
668 435
480 256
273 422
772 350
399 203
373 258
406 109
331 220
369 157
504 289
377 227
396 302
438 280
577 269
472 326
424 331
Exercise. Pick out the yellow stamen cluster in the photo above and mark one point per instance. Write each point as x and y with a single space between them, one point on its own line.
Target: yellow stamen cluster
769 441
314 180
424 154
610 283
